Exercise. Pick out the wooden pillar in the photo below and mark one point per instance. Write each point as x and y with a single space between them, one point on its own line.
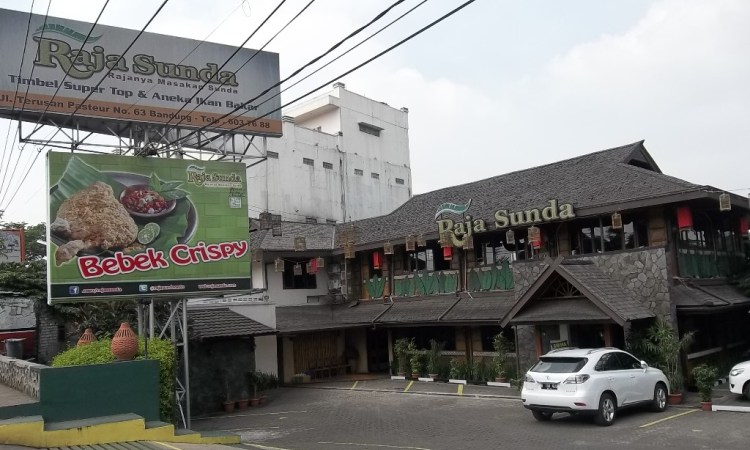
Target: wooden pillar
538 340
608 341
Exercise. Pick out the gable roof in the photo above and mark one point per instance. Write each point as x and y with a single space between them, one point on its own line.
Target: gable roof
223 322
318 236
598 288
612 177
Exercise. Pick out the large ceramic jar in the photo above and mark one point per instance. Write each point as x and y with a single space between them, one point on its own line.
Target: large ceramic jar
125 343
86 338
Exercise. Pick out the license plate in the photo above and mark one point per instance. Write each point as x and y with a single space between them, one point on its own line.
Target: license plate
550 386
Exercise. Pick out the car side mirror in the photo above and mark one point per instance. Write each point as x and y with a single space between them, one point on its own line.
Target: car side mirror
644 365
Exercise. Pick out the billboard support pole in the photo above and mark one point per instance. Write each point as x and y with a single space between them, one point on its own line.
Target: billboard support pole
186 364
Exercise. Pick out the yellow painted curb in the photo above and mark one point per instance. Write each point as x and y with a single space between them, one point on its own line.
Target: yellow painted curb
30 432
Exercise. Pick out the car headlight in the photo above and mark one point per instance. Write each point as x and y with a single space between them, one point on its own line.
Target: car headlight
736 372
528 379
576 379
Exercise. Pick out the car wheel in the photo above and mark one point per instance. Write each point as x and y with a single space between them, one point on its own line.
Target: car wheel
659 403
746 390
542 416
605 415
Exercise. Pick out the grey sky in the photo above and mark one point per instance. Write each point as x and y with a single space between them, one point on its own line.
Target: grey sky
505 85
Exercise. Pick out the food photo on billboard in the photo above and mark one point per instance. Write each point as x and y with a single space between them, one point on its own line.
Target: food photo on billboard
128 226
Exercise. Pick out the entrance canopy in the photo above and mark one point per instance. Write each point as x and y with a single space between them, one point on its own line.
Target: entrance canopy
575 291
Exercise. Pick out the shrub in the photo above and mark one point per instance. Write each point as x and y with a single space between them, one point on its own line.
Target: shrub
434 356
502 346
660 347
98 352
401 349
416 363
705 377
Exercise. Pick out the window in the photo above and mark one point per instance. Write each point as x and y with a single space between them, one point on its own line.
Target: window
628 362
272 155
550 364
369 129
375 175
327 165
399 181
358 172
311 220
607 362
303 281
308 161
492 250
597 235
421 260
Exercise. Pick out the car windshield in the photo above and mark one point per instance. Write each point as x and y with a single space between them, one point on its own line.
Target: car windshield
549 364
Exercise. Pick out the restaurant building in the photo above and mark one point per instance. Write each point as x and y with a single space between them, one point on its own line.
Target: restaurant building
580 252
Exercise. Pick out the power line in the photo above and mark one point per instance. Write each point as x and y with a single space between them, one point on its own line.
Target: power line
359 66
243 64
334 60
89 95
343 54
67 72
203 41
237 50
112 66
15 95
311 62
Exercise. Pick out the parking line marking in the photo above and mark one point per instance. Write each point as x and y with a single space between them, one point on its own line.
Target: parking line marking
354 386
172 447
374 445
460 389
668 418
248 415
408 386
264 447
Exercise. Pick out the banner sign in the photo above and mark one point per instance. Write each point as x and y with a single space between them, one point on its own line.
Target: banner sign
128 226
12 246
149 84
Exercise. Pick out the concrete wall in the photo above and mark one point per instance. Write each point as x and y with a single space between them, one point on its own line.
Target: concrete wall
297 191
16 313
286 297
70 393
265 355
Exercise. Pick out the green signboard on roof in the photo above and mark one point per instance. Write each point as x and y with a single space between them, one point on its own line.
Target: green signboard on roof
127 226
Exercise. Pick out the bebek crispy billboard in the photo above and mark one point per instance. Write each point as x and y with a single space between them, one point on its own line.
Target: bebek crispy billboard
149 84
127 226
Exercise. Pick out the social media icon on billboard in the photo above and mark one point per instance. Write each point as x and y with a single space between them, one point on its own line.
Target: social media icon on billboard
73 290
142 288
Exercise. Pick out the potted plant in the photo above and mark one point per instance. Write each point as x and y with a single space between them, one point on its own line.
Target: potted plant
416 365
434 358
705 377
243 400
254 380
401 349
502 346
663 346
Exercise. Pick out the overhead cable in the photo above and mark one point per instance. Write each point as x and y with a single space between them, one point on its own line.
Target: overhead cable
359 66
223 83
311 62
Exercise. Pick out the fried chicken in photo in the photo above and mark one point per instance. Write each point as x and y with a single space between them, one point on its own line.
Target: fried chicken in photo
92 218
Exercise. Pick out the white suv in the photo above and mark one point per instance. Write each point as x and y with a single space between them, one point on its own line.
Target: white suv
595 381
739 379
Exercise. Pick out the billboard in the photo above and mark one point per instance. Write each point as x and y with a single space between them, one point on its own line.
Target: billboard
149 84
128 226
12 246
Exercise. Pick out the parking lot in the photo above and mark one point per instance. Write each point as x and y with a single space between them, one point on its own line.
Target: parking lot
377 414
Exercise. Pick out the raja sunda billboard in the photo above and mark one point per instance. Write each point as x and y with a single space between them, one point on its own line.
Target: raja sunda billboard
149 84
128 226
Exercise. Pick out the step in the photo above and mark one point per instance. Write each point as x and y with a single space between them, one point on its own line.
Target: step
21 420
84 423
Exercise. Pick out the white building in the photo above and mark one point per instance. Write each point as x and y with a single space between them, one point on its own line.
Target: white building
343 157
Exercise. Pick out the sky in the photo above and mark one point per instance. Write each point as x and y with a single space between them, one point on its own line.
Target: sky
500 86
